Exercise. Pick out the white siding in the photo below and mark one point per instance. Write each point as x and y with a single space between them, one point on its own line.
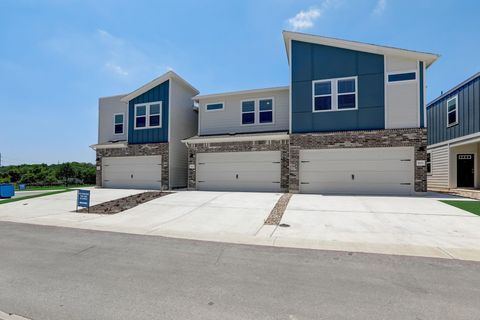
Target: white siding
107 107
438 178
183 124
229 120
402 98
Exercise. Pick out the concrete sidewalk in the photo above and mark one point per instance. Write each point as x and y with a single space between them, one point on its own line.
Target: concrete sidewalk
417 226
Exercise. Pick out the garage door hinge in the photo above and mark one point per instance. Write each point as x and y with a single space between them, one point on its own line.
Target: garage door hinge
304 182
201 163
275 181
200 181
405 183
275 161
406 160
304 161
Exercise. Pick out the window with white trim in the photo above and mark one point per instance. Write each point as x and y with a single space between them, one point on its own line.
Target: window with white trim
452 111
429 162
265 107
248 112
217 106
148 115
335 94
118 123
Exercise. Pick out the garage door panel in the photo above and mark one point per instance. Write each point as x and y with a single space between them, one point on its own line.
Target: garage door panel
357 171
142 172
239 171
357 165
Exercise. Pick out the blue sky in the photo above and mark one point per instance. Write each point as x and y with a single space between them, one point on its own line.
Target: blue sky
57 57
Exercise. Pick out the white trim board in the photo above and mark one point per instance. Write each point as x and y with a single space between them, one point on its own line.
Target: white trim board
242 92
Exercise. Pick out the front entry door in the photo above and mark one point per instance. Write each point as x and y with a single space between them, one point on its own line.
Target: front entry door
465 171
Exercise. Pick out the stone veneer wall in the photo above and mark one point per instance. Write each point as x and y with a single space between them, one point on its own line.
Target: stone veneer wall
146 149
270 145
361 139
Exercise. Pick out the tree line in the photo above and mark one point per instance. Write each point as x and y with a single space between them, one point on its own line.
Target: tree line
49 175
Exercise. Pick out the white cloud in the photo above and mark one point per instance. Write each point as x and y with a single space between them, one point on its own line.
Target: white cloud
116 68
379 7
305 19
106 52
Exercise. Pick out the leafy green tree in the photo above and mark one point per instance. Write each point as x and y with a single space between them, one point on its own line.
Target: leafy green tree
65 172
14 174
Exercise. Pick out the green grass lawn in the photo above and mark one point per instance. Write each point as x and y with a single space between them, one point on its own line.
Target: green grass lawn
470 206
34 196
35 188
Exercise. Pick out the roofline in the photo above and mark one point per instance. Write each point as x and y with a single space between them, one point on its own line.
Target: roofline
233 93
114 96
170 75
429 58
440 97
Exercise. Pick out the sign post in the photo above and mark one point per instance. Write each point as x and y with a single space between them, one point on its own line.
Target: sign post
83 199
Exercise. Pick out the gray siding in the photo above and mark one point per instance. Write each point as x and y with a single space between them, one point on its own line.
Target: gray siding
315 62
468 114
184 122
107 107
229 120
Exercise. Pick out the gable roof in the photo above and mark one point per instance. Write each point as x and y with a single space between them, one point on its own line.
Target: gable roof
170 75
458 86
429 58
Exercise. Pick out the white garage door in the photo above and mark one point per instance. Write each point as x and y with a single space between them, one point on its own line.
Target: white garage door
143 172
239 171
357 171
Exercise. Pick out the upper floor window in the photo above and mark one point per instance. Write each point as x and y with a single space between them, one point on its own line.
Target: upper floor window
148 115
266 110
452 111
257 111
406 76
334 94
214 106
248 112
118 123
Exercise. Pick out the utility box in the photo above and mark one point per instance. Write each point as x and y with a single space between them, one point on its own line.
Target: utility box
7 190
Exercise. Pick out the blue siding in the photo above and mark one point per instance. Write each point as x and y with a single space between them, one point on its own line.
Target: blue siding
315 62
468 114
422 98
158 93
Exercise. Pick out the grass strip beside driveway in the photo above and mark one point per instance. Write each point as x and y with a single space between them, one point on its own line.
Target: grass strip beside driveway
34 196
470 206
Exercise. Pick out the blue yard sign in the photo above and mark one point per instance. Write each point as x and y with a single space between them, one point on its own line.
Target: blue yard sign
83 198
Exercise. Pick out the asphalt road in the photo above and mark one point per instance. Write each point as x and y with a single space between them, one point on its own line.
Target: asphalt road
60 273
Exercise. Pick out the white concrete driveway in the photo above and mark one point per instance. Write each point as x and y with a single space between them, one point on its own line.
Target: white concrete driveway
402 225
394 225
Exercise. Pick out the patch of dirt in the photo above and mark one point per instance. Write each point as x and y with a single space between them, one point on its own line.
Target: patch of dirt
277 212
122 204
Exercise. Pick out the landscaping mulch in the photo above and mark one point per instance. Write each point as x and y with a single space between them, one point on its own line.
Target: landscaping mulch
277 212
122 204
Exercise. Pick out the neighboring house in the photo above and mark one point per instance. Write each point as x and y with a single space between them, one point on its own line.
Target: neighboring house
352 120
139 135
454 137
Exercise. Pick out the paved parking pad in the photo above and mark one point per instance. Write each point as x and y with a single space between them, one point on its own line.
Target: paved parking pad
379 222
